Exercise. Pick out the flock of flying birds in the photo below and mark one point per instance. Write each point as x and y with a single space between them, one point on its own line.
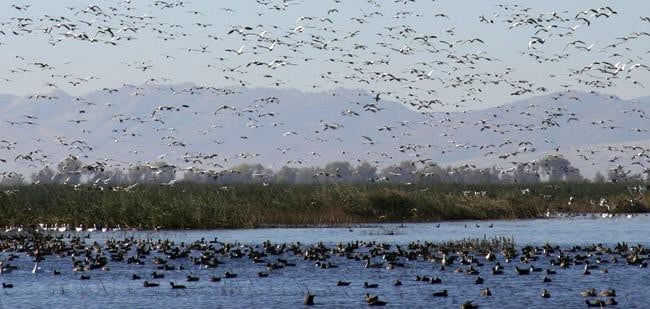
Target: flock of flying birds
392 51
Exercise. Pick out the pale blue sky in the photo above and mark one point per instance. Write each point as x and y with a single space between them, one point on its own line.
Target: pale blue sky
115 65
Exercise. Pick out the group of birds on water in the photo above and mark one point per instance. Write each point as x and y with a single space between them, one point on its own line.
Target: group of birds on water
393 51
63 228
486 262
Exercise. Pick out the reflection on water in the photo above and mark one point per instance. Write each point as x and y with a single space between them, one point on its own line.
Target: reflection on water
286 287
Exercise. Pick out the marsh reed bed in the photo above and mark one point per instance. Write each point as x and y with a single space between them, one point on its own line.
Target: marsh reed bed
200 206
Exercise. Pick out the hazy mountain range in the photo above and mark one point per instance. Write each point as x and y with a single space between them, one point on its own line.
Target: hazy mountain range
220 128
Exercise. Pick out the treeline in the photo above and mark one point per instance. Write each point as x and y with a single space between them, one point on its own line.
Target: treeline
554 169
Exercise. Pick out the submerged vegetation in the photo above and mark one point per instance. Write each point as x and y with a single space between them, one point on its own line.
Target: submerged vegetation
192 205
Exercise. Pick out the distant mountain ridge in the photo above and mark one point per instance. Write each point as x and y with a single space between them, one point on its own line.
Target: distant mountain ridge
175 123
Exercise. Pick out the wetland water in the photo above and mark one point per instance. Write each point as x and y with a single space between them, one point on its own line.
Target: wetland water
286 285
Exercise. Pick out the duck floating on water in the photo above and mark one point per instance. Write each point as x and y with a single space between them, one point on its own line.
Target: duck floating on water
370 285
608 293
522 271
588 293
442 293
309 299
595 303
374 300
229 275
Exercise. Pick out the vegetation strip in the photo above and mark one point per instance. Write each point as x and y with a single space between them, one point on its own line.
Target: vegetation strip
202 206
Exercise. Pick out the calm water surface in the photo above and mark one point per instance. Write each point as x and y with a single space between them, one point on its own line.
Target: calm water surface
561 231
285 288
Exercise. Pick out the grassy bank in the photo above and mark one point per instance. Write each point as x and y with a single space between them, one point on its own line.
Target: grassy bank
247 206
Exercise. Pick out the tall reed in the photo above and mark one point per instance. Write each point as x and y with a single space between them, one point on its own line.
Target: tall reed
191 205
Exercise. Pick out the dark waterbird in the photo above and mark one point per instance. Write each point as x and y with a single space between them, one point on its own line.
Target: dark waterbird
309 299
468 305
608 293
588 293
377 303
595 303
374 300
522 271
229 275
370 285
442 293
